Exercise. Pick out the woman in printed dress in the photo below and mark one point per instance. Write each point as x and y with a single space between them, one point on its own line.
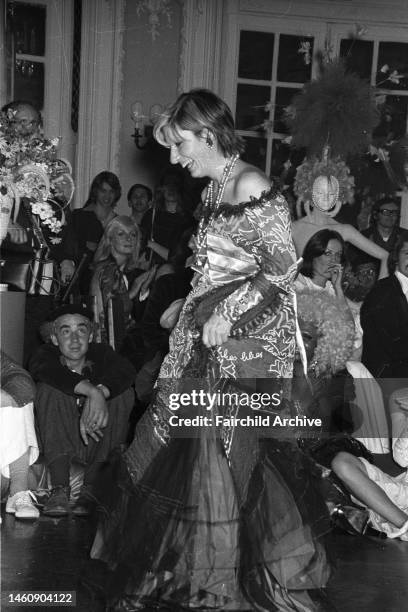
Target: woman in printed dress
220 516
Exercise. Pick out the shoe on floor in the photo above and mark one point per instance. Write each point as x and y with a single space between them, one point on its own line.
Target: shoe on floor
58 502
21 505
85 504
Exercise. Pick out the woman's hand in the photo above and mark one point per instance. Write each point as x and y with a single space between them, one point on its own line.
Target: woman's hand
159 249
67 268
216 331
336 278
142 282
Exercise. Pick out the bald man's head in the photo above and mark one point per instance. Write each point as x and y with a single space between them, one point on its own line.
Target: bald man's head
26 118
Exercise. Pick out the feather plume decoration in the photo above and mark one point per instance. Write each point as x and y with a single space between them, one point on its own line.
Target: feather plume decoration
337 110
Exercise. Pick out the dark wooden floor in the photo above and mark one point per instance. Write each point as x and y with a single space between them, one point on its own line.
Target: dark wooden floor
51 554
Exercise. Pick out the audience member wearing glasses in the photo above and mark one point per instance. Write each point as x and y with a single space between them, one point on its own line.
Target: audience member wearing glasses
384 227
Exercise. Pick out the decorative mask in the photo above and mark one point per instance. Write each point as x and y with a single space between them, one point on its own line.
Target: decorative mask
325 193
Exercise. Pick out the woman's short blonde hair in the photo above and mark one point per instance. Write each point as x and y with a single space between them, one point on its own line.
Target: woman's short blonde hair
104 250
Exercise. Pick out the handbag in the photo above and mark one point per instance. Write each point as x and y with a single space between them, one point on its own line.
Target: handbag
16 273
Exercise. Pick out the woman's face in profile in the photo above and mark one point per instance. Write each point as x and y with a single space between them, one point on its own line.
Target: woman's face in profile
189 151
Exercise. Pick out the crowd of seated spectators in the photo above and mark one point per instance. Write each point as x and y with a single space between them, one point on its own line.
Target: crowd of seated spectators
98 350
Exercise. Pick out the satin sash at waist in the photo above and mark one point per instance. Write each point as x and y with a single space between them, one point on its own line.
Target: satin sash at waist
226 262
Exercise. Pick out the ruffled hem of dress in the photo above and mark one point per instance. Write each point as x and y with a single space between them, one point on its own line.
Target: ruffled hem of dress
170 548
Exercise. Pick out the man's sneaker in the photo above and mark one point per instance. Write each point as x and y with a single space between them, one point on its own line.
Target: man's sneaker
58 502
21 505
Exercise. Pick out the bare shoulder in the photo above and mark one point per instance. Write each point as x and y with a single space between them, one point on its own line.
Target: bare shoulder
250 182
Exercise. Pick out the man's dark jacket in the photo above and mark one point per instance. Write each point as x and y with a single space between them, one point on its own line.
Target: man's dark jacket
384 319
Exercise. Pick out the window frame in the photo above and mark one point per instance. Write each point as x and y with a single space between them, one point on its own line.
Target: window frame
324 31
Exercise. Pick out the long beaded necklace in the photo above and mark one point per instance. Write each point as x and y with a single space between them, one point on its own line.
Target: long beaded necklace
211 206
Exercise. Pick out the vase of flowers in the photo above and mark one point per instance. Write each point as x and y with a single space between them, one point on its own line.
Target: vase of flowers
31 175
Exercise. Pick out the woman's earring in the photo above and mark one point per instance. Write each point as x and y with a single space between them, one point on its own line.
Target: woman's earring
209 142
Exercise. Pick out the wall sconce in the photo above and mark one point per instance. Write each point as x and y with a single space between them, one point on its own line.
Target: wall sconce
154 8
143 123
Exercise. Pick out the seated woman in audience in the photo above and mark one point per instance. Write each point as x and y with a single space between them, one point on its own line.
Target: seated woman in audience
164 223
115 274
139 199
385 496
18 447
322 272
86 226
323 269
323 264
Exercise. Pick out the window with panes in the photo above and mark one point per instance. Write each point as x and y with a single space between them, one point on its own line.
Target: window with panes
25 49
274 66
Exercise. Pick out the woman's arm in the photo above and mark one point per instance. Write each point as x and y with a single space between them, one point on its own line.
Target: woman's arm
352 235
159 249
142 282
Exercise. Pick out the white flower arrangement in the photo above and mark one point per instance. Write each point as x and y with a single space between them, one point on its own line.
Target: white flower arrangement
30 169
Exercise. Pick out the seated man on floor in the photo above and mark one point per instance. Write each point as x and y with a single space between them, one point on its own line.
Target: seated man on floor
83 402
18 442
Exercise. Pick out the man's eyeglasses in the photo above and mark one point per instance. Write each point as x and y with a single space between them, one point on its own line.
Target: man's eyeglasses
388 212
